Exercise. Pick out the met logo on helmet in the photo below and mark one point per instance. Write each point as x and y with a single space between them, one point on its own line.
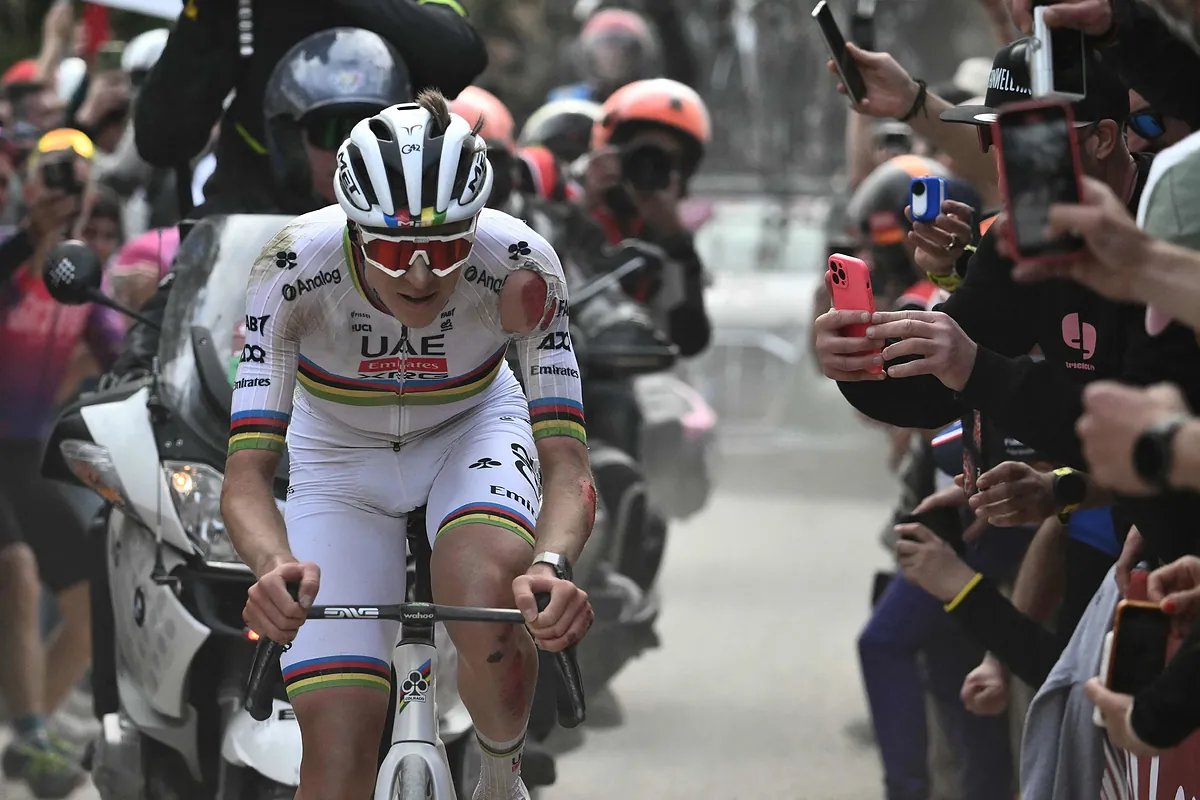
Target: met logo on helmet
350 189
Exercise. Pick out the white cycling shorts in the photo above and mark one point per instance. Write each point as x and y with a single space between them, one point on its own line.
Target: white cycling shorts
347 503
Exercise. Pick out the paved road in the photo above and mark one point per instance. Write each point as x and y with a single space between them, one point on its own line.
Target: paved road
756 683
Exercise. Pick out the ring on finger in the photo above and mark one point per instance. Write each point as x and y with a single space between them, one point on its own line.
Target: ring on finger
953 243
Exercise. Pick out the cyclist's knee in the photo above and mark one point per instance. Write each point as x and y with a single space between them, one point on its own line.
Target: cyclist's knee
476 564
341 728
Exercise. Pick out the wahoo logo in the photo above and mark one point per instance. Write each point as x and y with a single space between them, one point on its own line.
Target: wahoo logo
1001 79
359 612
414 364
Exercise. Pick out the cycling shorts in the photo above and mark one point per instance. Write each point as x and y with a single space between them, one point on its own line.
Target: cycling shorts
347 503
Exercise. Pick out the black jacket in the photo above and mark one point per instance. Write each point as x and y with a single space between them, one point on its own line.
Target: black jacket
182 96
1155 57
1084 337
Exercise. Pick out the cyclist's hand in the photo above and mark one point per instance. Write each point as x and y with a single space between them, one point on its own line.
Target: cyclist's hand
939 244
1014 493
890 90
835 352
270 610
985 690
567 617
1131 553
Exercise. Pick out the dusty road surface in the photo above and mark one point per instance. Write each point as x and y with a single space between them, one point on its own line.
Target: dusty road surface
756 684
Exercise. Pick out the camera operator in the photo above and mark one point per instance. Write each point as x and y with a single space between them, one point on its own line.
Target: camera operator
319 90
40 534
182 96
646 147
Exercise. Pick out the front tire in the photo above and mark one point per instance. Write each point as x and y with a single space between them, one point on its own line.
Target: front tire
416 782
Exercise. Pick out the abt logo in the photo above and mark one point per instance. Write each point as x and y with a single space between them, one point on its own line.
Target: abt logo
338 612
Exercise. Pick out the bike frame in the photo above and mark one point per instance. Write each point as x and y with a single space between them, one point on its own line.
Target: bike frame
415 730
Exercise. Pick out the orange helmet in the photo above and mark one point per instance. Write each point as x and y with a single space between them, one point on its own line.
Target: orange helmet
474 103
541 172
660 103
617 46
616 20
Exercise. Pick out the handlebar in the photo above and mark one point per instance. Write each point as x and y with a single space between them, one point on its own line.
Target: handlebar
572 705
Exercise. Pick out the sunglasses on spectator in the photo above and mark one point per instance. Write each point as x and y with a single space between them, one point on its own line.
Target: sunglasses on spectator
1146 123
986 140
394 256
328 131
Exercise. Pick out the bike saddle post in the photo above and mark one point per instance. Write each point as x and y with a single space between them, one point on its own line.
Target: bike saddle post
418 545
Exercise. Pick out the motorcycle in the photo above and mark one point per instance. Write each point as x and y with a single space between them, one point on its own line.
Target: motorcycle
171 669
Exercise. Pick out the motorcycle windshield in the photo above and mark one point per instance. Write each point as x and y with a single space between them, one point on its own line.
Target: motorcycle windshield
204 327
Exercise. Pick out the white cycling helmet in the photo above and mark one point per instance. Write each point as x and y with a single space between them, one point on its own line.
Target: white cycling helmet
408 168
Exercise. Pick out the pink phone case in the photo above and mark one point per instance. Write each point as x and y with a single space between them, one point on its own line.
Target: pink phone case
851 281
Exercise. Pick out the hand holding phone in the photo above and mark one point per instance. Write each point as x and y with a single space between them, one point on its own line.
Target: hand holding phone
1058 63
1039 166
850 281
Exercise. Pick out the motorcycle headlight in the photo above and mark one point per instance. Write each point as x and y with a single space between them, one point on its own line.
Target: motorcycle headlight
197 492
92 464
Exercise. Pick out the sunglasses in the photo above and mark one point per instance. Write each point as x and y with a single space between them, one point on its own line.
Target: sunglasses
441 254
1147 123
986 139
328 131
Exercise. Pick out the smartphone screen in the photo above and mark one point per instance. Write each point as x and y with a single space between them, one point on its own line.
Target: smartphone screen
1139 651
1038 160
847 68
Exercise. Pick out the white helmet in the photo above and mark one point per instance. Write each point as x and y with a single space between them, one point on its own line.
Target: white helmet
403 168
143 50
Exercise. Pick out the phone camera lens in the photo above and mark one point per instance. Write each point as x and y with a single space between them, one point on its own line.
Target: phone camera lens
841 273
918 188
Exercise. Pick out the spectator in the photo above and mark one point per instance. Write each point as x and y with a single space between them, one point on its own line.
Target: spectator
1150 131
615 47
181 97
41 534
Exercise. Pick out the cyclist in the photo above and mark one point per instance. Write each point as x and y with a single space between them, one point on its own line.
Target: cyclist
392 312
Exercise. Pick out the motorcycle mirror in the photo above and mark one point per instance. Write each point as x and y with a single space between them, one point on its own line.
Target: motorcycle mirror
72 275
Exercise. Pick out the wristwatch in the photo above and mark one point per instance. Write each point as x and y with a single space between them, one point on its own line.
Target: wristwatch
1154 451
1070 489
560 563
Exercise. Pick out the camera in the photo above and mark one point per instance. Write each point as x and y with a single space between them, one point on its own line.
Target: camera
59 173
918 189
647 168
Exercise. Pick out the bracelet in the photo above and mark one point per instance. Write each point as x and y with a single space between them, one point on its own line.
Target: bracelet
918 102
966 590
948 282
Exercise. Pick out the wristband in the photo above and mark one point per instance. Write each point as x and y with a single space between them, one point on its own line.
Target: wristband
918 103
948 282
966 590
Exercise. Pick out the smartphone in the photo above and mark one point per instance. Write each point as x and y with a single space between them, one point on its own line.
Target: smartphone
1057 61
926 196
1039 166
1139 646
851 280
945 522
852 79
59 173
108 56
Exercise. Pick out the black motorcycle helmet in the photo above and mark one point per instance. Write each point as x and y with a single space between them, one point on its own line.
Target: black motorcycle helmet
321 87
876 214
564 127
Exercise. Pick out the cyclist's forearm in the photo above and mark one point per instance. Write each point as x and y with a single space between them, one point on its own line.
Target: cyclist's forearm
568 497
248 507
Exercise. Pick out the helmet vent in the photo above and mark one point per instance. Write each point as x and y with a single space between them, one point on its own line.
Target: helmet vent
381 130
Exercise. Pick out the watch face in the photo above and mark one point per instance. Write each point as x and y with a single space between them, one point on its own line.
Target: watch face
1070 489
1149 458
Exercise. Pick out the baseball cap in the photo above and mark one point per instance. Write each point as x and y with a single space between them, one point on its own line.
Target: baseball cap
1009 82
24 71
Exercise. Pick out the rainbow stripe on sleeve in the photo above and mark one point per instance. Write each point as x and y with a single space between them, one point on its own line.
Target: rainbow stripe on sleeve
258 430
336 672
557 416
